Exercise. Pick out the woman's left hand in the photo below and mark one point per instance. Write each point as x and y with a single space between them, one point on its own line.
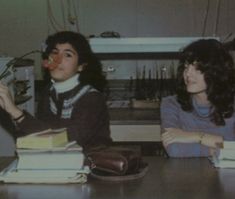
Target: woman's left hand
172 135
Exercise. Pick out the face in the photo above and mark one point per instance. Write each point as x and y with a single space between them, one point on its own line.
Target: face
194 79
68 65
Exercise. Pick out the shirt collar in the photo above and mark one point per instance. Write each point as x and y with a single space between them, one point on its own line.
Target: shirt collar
61 87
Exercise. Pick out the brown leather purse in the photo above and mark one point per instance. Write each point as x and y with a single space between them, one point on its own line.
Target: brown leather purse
116 164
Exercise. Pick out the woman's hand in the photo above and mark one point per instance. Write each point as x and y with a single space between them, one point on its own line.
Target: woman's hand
7 102
212 140
174 135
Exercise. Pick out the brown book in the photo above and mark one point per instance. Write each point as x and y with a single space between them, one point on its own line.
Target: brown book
47 139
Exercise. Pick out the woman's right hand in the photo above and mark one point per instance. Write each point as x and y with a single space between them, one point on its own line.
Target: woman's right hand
7 102
175 135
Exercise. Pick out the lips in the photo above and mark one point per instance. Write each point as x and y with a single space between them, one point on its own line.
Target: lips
190 82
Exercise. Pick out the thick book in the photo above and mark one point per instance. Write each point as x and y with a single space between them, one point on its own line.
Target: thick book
223 163
229 145
70 158
226 154
47 139
12 175
225 157
227 151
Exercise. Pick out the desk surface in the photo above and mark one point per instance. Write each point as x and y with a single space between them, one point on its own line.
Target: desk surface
166 179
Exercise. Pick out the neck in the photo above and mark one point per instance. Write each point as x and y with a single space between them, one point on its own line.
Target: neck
201 98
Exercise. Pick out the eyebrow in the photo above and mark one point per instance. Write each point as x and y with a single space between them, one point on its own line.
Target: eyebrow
66 50
69 50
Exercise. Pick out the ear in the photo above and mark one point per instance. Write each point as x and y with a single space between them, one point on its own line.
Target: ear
81 67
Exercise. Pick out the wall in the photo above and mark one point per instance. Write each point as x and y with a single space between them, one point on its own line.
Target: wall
26 23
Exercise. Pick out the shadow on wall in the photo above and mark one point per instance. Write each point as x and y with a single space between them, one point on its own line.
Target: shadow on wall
7 144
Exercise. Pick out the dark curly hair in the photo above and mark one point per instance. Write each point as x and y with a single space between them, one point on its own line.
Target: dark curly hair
217 65
92 73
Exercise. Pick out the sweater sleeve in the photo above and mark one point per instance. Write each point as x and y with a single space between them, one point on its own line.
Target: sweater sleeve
90 124
170 110
31 124
186 150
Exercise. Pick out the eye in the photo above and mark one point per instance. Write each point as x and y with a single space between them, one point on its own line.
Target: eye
68 55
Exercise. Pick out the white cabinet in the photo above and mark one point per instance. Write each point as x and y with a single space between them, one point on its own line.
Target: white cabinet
135 133
24 78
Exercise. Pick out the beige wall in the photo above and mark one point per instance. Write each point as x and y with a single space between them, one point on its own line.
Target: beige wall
25 23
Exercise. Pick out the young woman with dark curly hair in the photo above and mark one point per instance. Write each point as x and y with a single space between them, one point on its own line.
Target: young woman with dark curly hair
201 114
73 98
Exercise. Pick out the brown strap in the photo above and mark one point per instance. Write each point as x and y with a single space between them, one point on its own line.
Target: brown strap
135 176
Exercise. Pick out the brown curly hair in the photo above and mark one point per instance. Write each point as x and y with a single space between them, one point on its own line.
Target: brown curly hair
215 62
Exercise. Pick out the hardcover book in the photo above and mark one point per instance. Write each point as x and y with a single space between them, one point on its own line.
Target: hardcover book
47 139
225 158
70 158
13 175
229 145
60 164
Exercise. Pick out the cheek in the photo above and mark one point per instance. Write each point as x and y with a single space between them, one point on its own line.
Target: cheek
204 85
71 70
70 65
202 82
184 76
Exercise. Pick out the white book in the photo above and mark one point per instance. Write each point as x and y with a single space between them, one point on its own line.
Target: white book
225 158
227 154
48 173
229 145
12 175
71 158
222 163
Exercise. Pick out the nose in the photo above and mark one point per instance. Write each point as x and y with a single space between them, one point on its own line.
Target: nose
190 70
53 62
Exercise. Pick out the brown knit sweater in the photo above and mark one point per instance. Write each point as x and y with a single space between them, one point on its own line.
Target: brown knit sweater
89 122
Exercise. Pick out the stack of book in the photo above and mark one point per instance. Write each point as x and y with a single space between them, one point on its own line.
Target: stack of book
225 157
46 157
